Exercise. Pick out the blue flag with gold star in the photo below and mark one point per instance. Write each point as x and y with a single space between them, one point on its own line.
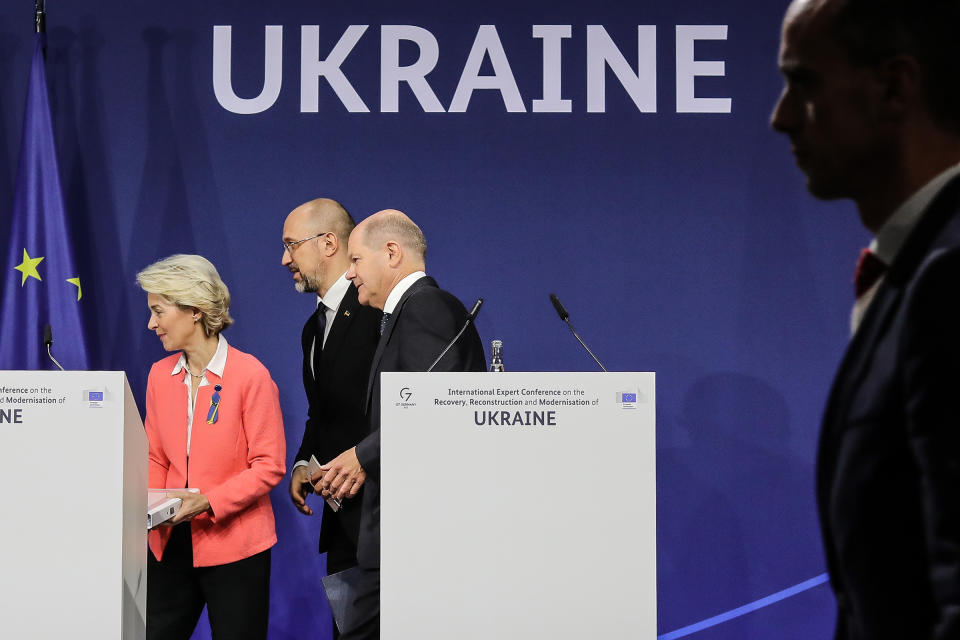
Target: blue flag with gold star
40 282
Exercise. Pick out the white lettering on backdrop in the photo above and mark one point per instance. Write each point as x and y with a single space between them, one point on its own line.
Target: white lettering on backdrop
637 78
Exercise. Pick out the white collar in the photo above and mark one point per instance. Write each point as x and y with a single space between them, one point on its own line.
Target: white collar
401 288
335 293
216 364
891 236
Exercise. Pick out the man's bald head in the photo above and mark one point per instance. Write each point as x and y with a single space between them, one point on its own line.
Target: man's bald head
323 215
315 236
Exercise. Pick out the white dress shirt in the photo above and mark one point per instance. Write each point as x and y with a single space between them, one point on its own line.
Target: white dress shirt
393 299
215 366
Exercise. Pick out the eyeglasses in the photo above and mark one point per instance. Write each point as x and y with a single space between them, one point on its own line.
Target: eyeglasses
288 246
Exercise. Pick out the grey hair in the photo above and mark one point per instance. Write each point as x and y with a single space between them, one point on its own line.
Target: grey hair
400 229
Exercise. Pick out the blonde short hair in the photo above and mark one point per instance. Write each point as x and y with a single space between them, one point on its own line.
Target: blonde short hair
190 282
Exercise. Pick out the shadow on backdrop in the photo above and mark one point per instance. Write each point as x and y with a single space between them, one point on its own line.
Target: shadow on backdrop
162 218
729 487
196 165
89 195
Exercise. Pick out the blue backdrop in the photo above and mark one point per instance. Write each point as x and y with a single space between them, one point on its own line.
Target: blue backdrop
681 240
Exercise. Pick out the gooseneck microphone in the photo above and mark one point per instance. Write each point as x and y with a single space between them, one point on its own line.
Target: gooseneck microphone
566 318
559 307
48 340
470 318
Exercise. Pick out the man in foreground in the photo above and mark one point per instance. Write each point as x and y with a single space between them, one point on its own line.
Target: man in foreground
871 105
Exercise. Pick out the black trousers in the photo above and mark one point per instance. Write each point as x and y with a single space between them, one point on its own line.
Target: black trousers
237 594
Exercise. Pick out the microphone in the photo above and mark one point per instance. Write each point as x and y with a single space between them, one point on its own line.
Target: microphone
566 318
559 307
475 311
48 340
470 318
39 17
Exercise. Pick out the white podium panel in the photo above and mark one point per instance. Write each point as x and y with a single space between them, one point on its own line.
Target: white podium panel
518 506
73 466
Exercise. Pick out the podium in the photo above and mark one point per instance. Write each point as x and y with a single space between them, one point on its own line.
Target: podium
73 467
518 506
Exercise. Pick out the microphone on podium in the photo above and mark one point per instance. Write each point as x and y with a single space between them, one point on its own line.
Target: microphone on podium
566 318
48 340
470 318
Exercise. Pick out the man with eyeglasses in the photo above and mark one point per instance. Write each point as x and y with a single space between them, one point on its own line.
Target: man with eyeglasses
338 342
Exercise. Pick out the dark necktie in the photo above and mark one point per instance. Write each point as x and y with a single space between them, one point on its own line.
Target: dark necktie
869 269
321 324
318 340
383 322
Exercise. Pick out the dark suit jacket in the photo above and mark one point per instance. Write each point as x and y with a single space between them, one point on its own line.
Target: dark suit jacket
888 477
424 321
336 420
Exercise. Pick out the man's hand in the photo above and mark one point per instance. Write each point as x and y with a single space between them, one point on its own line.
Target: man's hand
299 486
192 505
343 476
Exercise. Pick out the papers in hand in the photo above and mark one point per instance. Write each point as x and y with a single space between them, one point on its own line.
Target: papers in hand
312 467
162 507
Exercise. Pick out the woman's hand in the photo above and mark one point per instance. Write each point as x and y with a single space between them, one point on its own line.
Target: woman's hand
193 504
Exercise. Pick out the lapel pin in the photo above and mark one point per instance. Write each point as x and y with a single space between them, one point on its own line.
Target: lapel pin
214 410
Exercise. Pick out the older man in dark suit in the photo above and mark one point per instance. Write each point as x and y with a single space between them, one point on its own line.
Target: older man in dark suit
338 342
871 105
387 253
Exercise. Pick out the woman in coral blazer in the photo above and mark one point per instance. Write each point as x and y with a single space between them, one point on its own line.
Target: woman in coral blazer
214 424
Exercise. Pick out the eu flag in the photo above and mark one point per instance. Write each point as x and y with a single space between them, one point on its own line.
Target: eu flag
40 282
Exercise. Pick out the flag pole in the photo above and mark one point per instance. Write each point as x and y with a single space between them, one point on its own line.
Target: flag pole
39 17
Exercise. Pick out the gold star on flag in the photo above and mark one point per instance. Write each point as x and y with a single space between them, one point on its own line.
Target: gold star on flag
28 268
76 282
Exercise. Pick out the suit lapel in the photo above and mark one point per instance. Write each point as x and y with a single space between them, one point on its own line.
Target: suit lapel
425 281
311 346
852 366
307 338
346 312
879 315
